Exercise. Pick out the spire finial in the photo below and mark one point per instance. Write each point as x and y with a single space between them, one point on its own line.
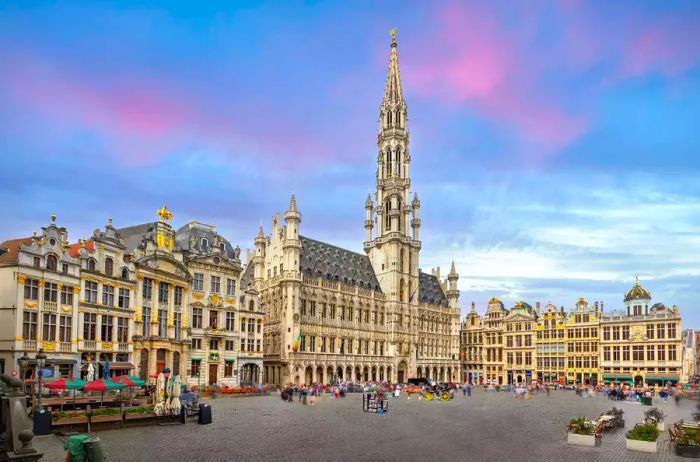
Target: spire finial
164 213
393 37
293 204
636 279
53 218
109 221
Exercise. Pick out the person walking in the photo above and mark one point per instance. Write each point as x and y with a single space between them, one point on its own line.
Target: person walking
469 390
464 391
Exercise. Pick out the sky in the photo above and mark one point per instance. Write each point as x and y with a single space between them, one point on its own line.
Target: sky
555 146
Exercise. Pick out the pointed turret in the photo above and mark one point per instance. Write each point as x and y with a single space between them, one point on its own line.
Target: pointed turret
452 291
393 93
369 224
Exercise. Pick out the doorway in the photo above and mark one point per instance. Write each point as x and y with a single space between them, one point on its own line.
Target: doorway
213 373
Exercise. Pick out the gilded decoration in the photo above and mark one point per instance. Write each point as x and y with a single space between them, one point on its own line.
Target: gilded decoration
164 214
29 304
215 300
197 296
230 300
41 283
21 279
48 346
637 333
66 309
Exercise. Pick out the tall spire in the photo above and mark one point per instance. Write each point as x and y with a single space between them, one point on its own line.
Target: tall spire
393 94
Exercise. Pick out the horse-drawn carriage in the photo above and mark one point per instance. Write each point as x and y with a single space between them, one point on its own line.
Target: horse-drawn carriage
429 390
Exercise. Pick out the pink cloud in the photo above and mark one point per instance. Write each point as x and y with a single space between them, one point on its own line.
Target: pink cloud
142 119
474 61
668 47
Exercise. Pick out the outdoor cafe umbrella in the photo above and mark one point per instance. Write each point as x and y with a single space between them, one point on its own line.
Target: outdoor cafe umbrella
130 381
65 384
103 385
174 396
159 407
90 372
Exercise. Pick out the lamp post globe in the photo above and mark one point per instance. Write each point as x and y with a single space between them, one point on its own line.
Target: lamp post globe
23 363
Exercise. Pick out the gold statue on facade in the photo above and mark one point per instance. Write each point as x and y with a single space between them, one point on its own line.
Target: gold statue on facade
164 213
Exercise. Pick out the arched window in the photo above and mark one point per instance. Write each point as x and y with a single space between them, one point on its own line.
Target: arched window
91 265
251 305
109 266
388 163
204 244
398 117
389 117
402 259
397 170
51 262
125 273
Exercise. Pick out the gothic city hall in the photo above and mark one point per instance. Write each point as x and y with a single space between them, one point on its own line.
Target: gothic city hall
332 314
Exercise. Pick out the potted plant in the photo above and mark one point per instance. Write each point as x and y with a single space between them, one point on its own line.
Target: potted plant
686 439
655 416
582 432
643 438
68 418
139 412
109 414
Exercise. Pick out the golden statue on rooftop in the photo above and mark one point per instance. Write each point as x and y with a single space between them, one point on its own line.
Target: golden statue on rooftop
164 213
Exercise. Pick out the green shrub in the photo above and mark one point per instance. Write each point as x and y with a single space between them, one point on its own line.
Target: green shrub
106 411
644 432
66 415
581 426
139 410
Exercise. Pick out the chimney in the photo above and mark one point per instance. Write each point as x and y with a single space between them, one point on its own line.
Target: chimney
601 307
596 306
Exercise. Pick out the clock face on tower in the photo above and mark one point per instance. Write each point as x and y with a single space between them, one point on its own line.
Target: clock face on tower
637 333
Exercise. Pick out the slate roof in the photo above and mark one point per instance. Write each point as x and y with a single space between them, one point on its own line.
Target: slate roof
184 235
134 235
327 261
248 276
430 290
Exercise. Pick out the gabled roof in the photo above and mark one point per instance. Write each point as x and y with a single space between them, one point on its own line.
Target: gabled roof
11 249
134 235
430 290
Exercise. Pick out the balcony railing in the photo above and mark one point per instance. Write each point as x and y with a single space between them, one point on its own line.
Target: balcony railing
65 346
29 345
90 345
50 306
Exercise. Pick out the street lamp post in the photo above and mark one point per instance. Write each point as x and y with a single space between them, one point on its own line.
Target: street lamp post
40 362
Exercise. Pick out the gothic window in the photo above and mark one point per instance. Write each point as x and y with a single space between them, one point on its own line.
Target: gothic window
388 163
388 117
51 262
398 117
398 162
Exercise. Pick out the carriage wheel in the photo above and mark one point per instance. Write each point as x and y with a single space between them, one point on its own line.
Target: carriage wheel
445 396
428 396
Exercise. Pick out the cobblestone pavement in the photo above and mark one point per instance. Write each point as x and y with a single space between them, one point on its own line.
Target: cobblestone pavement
489 426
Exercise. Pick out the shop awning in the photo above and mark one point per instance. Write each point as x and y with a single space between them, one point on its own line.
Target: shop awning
119 365
625 378
229 360
54 361
662 380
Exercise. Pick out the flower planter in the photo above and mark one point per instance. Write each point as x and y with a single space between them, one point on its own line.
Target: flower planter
583 440
105 418
135 416
642 446
70 421
692 452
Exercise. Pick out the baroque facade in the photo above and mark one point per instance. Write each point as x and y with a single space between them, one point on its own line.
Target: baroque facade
129 298
640 345
333 314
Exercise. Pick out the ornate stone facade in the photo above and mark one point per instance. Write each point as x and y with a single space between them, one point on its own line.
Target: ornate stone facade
332 314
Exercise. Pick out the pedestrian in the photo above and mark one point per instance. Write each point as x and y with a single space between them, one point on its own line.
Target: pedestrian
469 390
677 398
464 391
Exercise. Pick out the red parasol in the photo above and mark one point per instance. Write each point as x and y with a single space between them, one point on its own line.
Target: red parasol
102 385
693 385
64 384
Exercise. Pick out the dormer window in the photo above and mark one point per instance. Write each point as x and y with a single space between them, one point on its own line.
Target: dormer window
51 263
109 266
204 243
125 273
222 247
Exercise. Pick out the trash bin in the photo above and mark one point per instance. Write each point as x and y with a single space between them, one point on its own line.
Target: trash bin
74 446
93 450
204 414
42 422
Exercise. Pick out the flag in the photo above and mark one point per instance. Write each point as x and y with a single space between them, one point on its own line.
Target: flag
295 346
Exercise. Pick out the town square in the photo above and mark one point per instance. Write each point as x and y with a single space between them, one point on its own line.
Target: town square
225 236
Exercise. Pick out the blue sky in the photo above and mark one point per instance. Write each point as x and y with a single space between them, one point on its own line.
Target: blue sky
555 145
